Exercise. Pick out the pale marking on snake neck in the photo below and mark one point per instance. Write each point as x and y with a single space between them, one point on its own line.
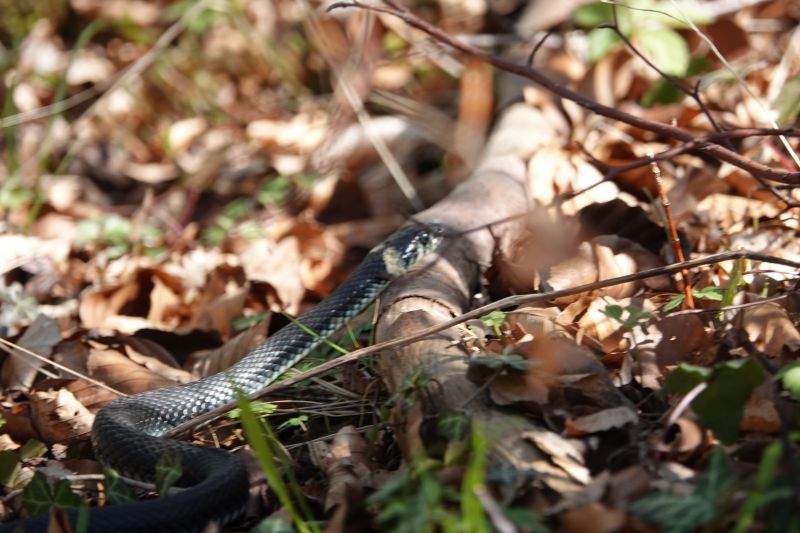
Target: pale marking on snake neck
392 261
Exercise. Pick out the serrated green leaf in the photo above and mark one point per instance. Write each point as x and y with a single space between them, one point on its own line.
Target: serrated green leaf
720 406
787 104
711 292
601 41
673 303
667 50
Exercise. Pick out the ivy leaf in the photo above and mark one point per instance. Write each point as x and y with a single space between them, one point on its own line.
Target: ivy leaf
720 406
685 378
169 469
117 491
667 50
37 498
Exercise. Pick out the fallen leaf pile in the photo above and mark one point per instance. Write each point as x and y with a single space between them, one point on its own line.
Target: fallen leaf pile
180 179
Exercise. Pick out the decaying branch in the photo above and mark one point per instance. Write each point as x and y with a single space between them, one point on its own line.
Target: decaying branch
719 152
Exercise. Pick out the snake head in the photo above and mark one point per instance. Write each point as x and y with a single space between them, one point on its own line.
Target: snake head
408 245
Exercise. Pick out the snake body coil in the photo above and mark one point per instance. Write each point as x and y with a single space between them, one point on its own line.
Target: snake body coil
127 433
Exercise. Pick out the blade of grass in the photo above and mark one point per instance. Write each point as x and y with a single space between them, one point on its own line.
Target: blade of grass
472 513
257 435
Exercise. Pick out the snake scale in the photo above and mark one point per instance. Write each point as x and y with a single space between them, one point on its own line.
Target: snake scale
127 433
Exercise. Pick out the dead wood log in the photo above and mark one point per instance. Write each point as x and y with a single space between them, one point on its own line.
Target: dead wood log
495 191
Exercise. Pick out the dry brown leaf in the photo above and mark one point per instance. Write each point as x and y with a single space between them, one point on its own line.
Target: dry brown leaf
347 468
276 263
512 389
119 372
761 416
733 212
769 327
688 438
59 416
595 517
302 134
217 307
163 302
628 485
562 452
20 369
207 362
616 417
674 339
152 357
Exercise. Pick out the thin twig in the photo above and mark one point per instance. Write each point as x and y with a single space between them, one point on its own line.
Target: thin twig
721 153
505 303
673 234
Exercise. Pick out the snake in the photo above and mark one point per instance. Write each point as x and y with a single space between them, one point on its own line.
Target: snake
128 433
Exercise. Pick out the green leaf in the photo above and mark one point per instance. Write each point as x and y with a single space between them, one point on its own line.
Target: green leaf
613 311
760 493
297 421
64 497
472 513
601 41
117 491
686 377
667 50
274 191
9 467
720 407
661 91
37 497
32 448
259 408
594 14
495 319
789 376
673 303
787 104
712 292
674 513
168 470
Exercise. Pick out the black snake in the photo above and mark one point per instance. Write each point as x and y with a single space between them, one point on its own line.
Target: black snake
127 433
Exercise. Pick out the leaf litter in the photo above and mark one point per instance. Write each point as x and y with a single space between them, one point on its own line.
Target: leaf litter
232 183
